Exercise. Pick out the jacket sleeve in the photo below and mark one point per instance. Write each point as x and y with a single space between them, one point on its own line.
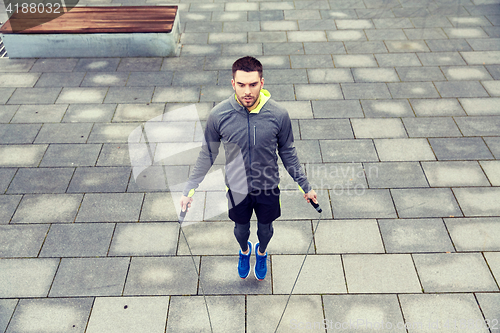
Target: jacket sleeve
206 157
288 154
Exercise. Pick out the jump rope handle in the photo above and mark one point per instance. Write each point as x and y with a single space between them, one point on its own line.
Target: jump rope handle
182 215
316 206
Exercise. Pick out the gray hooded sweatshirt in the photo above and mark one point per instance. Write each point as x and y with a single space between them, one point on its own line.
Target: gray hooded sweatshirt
252 142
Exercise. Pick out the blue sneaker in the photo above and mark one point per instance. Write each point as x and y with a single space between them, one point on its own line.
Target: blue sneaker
260 269
244 262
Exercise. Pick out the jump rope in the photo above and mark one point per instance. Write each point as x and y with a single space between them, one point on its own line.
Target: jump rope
182 216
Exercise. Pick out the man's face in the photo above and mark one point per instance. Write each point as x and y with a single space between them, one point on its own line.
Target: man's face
247 86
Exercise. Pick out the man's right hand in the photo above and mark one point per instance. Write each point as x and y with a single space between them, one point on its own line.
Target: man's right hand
185 203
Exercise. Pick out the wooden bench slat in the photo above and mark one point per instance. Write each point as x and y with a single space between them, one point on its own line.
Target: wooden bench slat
96 20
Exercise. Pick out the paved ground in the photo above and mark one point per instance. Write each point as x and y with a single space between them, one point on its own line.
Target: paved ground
396 113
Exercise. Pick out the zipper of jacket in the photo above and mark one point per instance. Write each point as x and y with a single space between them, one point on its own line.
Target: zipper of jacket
250 150
254 135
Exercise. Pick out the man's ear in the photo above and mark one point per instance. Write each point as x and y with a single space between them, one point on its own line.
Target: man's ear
262 83
232 83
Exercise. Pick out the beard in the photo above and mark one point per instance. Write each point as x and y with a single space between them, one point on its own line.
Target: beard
247 101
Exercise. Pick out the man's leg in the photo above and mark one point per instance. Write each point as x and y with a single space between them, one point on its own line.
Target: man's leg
242 233
265 232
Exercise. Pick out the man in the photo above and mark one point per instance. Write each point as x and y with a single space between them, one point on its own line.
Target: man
252 127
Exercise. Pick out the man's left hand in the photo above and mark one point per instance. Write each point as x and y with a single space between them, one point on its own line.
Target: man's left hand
311 195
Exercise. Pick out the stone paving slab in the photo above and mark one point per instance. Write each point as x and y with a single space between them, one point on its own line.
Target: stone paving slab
474 234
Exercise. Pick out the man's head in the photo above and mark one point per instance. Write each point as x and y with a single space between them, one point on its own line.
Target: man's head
247 81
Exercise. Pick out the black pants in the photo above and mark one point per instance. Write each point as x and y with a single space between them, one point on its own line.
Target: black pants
266 205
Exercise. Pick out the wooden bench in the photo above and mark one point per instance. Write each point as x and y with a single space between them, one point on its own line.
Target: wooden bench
128 31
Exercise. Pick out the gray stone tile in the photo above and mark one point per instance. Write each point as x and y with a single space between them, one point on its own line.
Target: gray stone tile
325 24
264 311
139 64
425 202
415 235
105 79
487 303
110 207
34 96
268 15
183 64
7 112
302 14
283 48
375 75
18 79
78 240
176 94
437 107
290 237
359 150
378 128
53 65
21 241
308 151
322 274
324 48
440 311
425 33
277 76
492 87
90 277
306 36
64 133
420 74
254 49
465 32
329 75
337 109
478 126
37 274
494 71
365 91
48 208
17 65
7 307
492 171
406 46
97 65
21 155
224 16
448 45
204 7
346 35
189 313
337 175
311 61
346 311
111 133
373 13
481 57
460 149
99 179
455 272
144 239
194 38
160 276
385 34
479 201
81 95
494 145
395 175
350 236
46 314
461 89
387 273
153 178
141 112
46 180
387 108
424 127
89 113
318 91
240 6
267 37
441 59
493 260
326 129
6 94
347 4
201 237
486 44
474 234
295 203
362 203
404 150
69 155
413 90
227 37
18 133
39 114
129 95
6 175
220 93
393 60
132 314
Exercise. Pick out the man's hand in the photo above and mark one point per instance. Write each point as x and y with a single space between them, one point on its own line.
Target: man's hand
185 203
311 195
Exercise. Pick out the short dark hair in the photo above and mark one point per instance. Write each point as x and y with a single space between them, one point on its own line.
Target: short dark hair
247 64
